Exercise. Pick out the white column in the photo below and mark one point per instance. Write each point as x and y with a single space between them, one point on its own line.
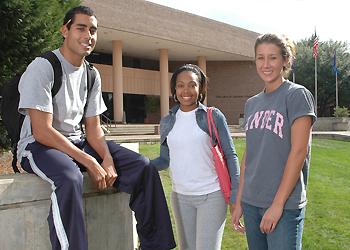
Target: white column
117 76
164 81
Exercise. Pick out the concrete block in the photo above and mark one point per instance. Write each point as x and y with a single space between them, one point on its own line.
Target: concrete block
332 124
105 216
25 203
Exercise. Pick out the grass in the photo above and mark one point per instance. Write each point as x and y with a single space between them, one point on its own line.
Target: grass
327 223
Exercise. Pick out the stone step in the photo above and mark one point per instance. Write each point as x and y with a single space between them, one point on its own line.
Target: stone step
149 129
134 129
235 129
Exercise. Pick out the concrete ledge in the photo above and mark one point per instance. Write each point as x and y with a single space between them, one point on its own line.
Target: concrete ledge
332 124
24 206
25 203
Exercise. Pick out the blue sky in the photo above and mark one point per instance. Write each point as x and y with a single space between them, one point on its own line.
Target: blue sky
294 18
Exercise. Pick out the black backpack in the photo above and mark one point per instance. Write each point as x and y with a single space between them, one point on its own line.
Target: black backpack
12 119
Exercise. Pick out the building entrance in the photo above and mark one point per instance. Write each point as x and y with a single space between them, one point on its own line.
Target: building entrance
134 107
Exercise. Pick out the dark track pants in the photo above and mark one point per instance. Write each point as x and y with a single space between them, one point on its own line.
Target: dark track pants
135 176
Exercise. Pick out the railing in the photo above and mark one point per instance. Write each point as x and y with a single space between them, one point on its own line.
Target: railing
107 122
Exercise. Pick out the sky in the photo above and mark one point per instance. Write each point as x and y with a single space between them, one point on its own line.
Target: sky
297 19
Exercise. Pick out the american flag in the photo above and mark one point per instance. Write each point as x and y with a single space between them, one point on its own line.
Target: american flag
315 47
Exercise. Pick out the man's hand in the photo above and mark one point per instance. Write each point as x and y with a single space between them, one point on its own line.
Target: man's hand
96 139
97 174
108 166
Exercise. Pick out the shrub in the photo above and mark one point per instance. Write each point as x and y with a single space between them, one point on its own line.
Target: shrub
152 104
5 142
341 112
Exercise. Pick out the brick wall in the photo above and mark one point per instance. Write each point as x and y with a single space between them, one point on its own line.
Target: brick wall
230 85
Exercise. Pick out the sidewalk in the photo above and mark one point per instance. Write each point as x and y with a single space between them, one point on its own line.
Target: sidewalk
336 135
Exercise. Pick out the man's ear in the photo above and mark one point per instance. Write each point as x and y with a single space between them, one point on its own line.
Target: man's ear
64 31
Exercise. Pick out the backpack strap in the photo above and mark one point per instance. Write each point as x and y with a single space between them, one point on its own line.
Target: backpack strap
14 158
90 78
212 126
57 71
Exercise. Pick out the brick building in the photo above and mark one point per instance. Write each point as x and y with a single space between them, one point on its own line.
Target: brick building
140 43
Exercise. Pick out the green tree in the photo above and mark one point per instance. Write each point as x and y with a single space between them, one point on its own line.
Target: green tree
28 28
305 73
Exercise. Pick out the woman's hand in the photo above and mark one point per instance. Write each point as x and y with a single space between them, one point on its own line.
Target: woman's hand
271 218
236 214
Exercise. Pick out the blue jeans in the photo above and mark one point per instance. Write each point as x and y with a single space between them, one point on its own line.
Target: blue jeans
286 236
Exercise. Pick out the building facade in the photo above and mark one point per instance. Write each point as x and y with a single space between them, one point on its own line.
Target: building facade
140 43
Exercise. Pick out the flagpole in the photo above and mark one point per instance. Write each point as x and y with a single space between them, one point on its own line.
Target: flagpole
335 69
336 89
315 54
316 85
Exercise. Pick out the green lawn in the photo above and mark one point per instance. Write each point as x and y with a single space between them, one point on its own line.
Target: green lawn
327 223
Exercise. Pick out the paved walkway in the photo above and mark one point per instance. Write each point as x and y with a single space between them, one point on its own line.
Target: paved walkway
337 135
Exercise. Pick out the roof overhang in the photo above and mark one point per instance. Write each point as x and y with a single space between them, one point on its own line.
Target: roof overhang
145 27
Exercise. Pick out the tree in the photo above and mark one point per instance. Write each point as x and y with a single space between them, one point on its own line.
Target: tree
28 29
305 68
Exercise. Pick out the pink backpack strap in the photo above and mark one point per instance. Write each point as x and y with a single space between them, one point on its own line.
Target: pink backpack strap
209 118
211 126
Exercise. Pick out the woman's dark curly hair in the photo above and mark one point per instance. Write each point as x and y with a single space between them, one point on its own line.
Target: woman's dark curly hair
202 78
